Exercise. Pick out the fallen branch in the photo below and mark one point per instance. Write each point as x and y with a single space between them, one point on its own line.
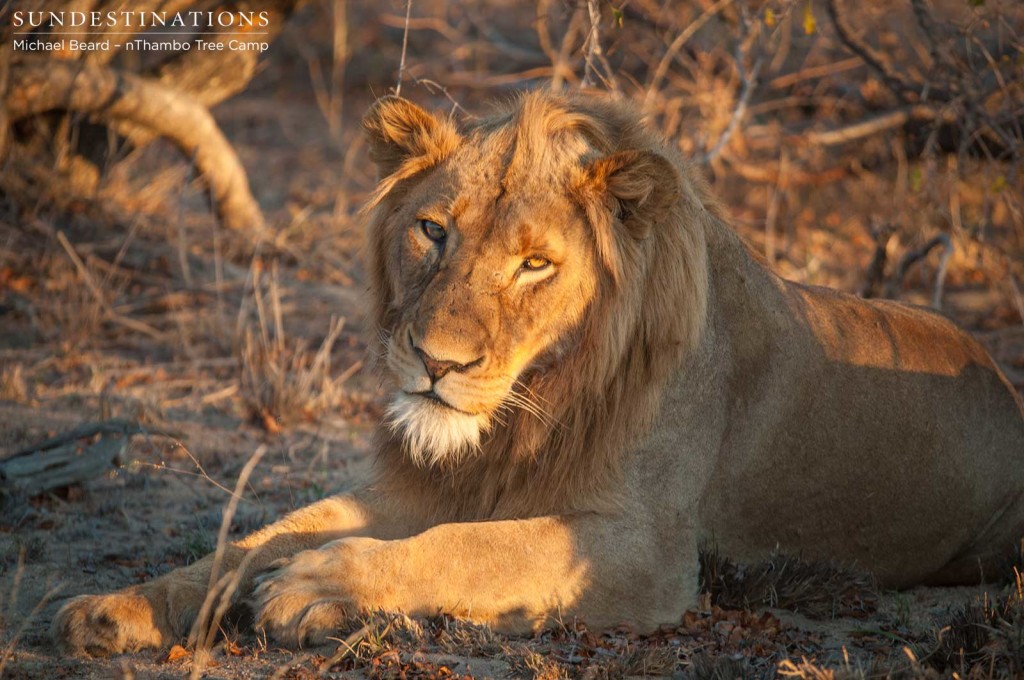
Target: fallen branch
37 86
66 459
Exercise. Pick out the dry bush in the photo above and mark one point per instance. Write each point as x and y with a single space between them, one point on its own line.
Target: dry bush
282 380
71 305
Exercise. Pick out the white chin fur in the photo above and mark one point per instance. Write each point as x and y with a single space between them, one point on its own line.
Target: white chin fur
434 434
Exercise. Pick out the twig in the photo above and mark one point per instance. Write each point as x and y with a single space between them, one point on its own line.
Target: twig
673 49
221 588
928 27
66 460
594 51
1018 298
346 647
433 87
339 59
898 84
13 642
101 299
875 275
405 44
940 275
772 214
749 82
811 72
912 257
560 68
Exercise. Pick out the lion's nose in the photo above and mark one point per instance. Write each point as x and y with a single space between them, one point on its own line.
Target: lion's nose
438 368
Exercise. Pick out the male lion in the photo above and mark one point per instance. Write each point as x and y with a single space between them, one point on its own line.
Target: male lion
592 375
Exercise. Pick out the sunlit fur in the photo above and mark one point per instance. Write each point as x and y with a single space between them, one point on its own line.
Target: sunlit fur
434 434
643 291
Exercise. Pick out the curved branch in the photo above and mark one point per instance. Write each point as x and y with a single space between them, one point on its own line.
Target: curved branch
899 84
37 86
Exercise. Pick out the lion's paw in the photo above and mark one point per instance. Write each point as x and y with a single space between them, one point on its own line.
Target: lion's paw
300 602
100 625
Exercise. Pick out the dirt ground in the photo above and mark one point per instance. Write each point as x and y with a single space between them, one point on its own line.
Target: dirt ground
134 304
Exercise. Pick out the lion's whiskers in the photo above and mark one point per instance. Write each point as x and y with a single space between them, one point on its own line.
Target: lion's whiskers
529 404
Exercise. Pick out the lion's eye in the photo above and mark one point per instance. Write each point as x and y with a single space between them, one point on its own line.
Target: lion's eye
434 231
535 263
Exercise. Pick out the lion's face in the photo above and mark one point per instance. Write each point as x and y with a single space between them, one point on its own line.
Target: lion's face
486 261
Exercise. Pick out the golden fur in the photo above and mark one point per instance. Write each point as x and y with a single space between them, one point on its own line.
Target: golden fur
591 376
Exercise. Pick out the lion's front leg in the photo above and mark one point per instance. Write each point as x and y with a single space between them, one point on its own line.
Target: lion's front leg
164 611
516 575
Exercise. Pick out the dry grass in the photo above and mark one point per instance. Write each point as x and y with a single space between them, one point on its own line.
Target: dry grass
67 311
282 381
12 384
984 637
706 667
527 663
816 590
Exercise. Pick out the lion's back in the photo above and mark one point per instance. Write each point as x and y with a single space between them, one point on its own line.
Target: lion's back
895 443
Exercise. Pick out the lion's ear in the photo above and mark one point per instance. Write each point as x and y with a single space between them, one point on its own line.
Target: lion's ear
398 131
637 186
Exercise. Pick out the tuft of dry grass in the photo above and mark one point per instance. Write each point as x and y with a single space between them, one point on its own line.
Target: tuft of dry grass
984 636
640 661
283 381
528 663
708 667
814 589
12 384
805 669
458 636
66 310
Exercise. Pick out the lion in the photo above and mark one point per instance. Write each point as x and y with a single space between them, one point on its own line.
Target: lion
591 376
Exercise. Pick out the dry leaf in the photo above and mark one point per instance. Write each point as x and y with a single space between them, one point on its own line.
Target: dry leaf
810 25
177 653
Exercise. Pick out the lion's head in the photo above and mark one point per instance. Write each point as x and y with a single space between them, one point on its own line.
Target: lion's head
522 263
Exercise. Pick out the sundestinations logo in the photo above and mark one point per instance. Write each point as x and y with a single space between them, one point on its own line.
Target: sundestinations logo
77 31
